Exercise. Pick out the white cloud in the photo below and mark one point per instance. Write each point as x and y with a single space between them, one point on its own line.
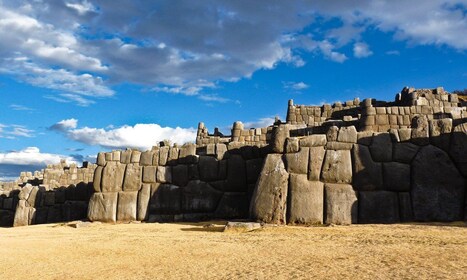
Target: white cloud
295 86
328 51
31 156
361 50
262 122
140 136
18 107
13 131
82 8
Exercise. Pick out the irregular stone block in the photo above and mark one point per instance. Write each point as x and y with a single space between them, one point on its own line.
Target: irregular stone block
233 205
253 169
347 134
126 207
316 163
332 133
405 134
187 154
149 174
236 174
165 199
291 145
381 147
332 145
163 155
458 150
135 156
112 177
180 175
49 198
221 150
269 200
101 159
420 131
305 205
21 215
25 191
337 167
404 152
97 179
313 140
238 227
132 181
164 174
438 188
208 168
6 218
298 162
341 204
199 197
75 210
378 207
54 214
364 137
60 195
125 156
396 176
405 207
103 207
173 156
144 195
367 174
280 133
146 158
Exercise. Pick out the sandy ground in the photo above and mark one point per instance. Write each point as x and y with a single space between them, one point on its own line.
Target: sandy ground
191 251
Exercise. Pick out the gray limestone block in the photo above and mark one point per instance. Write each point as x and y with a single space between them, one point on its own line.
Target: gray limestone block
333 145
396 176
103 207
31 201
112 177
292 145
135 156
163 155
101 159
55 214
313 140
236 174
405 207
60 195
305 200
25 192
187 154
6 218
149 174
337 167
364 137
180 175
193 172
332 133
381 147
404 152
146 158
458 150
165 199
315 162
298 162
96 183
21 214
144 195
340 204
125 157
75 210
438 188
347 134
116 155
199 197
126 206
378 207
253 169
49 198
164 174
367 174
221 151
173 156
233 205
280 133
420 130
132 179
210 149
208 168
269 200
405 134
155 157
222 175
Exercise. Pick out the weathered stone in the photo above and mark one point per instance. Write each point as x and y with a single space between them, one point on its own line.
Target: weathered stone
341 204
165 199
211 149
125 156
405 207
280 133
298 162
163 155
25 191
221 150
21 215
187 154
126 207
236 174
337 167
112 177
146 158
347 134
367 174
316 162
364 137
233 205
31 201
458 150
238 227
164 174
292 145
208 168
49 198
116 155
405 134
438 187
404 152
305 200
333 145
149 174
60 196
96 182
173 156
396 176
143 202
101 159
180 175
420 131
132 180
313 140
378 207
199 196
54 214
6 218
135 156
253 169
103 207
381 147
269 198
332 133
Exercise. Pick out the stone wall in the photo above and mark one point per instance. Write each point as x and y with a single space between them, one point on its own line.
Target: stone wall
252 136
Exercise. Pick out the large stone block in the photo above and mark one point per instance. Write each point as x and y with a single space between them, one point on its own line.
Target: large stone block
103 207
55 214
420 131
127 205
75 210
144 196
458 150
253 169
438 188
378 207
208 168
22 214
146 158
280 133
173 156
236 174
187 154
367 174
381 147
163 155
125 156
396 176
316 162
337 167
149 174
199 197
298 162
404 152
164 174
132 181
6 218
405 207
96 183
305 200
165 199
347 134
112 177
233 205
341 204
269 200
180 175
313 140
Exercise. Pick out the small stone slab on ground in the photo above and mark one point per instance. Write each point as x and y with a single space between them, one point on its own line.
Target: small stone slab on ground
241 226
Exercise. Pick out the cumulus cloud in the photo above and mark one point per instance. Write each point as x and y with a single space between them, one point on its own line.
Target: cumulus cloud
296 86
31 156
361 50
262 122
140 136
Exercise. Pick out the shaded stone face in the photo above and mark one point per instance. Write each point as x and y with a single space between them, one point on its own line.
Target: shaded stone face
341 204
305 200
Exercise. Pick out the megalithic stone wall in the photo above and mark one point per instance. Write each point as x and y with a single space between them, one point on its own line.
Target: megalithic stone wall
346 176
176 183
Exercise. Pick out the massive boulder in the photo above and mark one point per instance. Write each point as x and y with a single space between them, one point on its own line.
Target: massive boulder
103 207
367 174
341 204
337 167
378 207
305 200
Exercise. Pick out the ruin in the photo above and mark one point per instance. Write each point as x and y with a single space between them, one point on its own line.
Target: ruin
354 162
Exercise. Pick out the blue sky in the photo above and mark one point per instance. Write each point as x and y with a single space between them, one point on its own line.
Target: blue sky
78 77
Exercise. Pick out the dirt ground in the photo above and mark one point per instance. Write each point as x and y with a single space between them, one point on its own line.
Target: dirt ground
191 251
